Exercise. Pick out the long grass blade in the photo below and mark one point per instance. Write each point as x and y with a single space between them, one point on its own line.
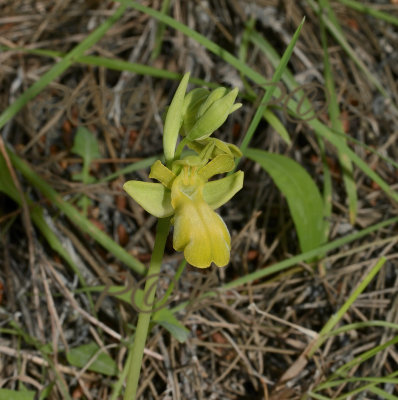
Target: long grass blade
335 119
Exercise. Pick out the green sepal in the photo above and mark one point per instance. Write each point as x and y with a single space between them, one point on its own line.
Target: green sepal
214 116
192 102
152 197
216 193
219 165
162 174
235 150
173 121
219 147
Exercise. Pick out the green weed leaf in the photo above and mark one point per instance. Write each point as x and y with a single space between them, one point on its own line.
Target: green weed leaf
166 318
302 195
6 394
86 146
103 364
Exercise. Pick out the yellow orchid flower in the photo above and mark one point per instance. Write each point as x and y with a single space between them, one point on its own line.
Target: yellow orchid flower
198 230
188 195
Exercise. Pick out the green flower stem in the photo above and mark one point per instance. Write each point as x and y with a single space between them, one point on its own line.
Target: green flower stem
137 348
180 148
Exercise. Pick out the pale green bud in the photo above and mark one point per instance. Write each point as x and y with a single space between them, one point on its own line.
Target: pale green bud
215 95
214 115
192 102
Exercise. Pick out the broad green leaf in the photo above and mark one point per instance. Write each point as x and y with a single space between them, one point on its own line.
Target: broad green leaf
302 195
86 146
6 394
166 318
216 193
123 293
103 363
152 197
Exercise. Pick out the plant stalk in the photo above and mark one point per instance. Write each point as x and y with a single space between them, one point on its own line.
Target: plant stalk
136 350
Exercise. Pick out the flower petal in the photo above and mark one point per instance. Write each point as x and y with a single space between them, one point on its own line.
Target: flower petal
153 197
162 174
219 165
216 193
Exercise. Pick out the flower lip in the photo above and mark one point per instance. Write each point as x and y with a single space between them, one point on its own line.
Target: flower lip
198 230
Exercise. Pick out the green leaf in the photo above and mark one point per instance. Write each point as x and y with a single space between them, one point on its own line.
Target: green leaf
152 197
82 355
84 202
166 318
86 146
216 193
302 195
6 394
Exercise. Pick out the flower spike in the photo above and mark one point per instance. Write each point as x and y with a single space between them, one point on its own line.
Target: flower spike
184 190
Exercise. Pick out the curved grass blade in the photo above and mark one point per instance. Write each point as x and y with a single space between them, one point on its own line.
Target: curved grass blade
268 94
